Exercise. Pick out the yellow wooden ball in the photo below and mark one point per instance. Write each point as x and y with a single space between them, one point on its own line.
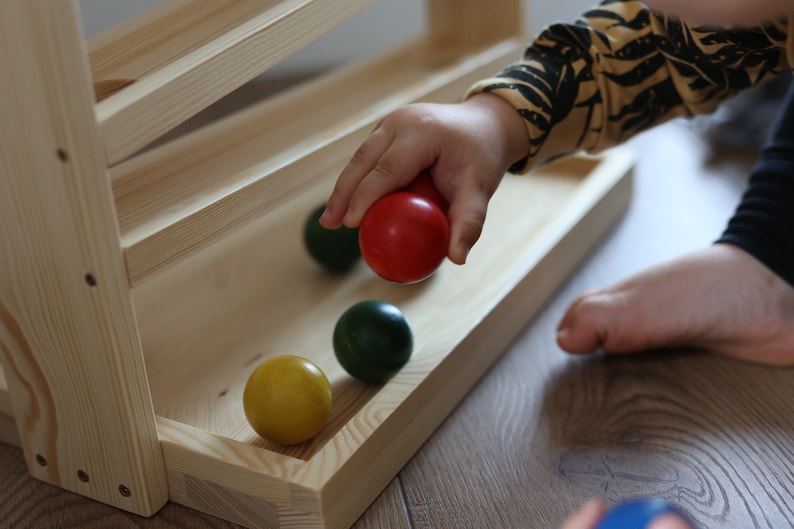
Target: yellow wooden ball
287 399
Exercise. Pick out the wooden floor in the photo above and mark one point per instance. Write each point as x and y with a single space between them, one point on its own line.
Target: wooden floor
543 431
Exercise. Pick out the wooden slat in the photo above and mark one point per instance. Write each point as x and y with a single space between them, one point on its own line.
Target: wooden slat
187 54
182 197
167 32
233 480
69 344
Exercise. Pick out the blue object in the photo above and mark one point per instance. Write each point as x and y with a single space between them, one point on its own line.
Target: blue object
637 514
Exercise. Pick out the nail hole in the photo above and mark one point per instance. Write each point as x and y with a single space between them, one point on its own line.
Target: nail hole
125 491
90 279
62 155
41 460
82 476
223 393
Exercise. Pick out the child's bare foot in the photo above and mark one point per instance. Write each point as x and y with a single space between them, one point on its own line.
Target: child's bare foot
720 299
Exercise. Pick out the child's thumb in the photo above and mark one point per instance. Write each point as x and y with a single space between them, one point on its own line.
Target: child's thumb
466 219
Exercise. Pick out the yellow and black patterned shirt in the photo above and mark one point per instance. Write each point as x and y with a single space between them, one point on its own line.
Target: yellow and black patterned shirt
622 68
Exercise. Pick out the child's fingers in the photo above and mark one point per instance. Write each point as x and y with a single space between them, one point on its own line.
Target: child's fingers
586 517
471 190
402 161
363 161
466 218
583 327
669 521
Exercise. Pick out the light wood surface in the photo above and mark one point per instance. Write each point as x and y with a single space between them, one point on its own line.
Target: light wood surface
542 431
239 315
68 335
182 56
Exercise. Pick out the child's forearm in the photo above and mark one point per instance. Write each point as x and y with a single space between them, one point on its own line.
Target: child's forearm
513 133
623 69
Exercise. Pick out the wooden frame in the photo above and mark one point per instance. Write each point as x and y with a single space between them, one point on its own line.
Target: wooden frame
116 268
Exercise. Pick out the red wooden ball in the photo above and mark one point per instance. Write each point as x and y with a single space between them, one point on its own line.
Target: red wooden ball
404 237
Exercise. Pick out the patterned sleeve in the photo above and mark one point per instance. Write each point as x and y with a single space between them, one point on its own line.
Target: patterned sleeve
622 68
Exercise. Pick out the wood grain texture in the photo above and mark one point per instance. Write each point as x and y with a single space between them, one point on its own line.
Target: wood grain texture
377 429
26 503
383 423
71 354
543 432
186 54
227 283
575 202
31 504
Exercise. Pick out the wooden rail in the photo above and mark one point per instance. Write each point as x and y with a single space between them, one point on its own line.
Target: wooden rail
156 70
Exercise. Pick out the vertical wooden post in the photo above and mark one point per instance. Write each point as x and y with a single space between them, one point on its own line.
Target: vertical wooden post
68 338
460 25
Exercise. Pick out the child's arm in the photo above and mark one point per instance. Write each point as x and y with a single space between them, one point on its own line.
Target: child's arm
585 86
469 146
622 69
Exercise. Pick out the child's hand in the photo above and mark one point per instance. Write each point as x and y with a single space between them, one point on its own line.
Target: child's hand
592 513
466 147
586 517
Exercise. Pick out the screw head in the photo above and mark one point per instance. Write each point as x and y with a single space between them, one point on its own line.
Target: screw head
82 476
125 491
41 460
